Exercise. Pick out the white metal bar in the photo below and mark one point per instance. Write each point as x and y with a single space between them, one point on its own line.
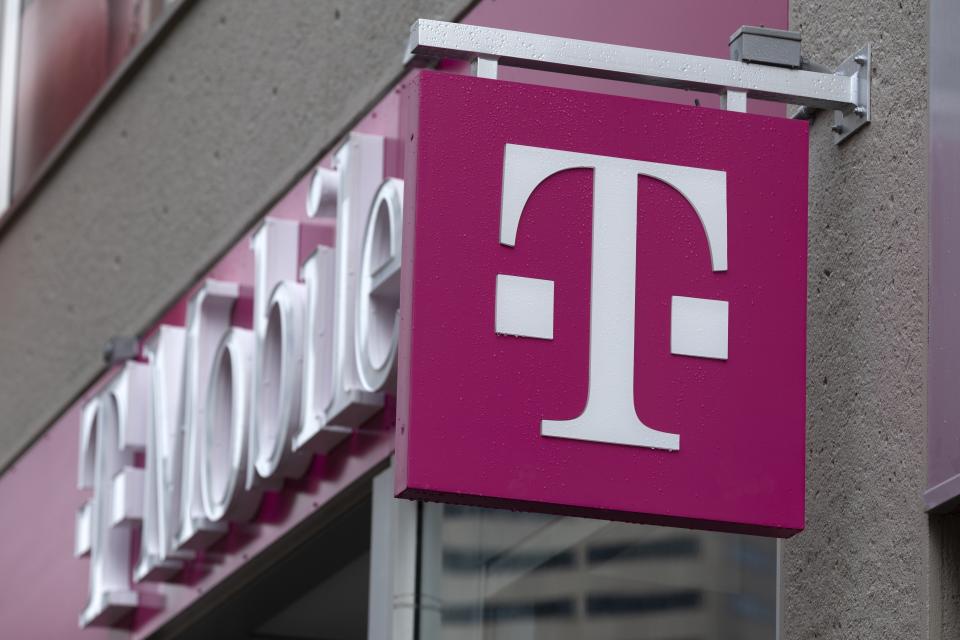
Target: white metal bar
484 67
432 38
380 595
393 563
9 72
734 101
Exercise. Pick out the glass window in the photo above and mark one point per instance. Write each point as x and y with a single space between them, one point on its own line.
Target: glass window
315 590
503 575
67 52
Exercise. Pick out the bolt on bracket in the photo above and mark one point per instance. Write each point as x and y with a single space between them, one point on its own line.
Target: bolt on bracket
849 120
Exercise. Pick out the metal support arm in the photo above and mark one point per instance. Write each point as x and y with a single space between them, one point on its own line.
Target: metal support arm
846 91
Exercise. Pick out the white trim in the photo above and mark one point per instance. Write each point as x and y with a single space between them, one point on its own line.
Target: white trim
394 537
9 72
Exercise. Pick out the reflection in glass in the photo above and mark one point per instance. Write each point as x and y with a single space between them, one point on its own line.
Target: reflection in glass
504 575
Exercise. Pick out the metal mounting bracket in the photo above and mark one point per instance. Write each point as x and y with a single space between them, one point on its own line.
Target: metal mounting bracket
847 91
848 121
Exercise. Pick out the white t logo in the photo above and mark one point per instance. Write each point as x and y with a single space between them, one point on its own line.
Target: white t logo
525 305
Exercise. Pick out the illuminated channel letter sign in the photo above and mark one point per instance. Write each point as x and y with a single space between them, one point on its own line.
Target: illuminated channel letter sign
603 307
240 399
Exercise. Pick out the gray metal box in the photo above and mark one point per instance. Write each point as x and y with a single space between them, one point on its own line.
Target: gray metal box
766 46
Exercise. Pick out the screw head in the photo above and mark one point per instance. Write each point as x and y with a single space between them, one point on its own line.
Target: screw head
837 128
860 111
860 60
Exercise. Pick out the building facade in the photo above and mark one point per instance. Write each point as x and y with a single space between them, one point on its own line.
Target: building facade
207 132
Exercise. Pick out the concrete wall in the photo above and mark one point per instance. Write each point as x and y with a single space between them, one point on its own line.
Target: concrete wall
242 94
862 568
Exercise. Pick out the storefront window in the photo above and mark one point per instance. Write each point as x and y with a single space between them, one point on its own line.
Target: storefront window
67 52
503 575
317 589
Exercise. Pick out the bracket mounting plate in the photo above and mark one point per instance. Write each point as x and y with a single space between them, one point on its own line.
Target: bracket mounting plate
849 121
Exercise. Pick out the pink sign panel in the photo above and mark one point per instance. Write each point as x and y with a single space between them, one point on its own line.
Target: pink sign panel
603 307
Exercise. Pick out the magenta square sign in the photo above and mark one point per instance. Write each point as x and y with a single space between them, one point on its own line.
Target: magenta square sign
603 307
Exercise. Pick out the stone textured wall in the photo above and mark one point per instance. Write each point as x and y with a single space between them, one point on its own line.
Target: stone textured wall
862 568
237 100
